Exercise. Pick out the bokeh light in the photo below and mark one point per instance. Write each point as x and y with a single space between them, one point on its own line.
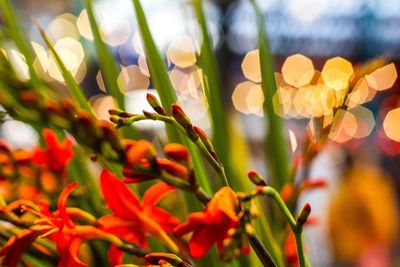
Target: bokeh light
131 78
337 73
251 66
382 78
182 52
298 70
391 124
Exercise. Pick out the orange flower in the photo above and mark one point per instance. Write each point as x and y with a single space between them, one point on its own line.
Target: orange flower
212 224
58 227
57 155
133 220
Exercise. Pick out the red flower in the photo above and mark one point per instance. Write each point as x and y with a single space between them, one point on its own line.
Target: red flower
132 220
212 224
56 155
58 227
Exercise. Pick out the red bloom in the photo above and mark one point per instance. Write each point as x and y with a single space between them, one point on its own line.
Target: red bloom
56 155
132 220
58 227
212 224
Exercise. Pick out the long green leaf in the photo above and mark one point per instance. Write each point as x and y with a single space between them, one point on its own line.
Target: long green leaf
213 91
14 30
276 147
166 91
108 66
70 81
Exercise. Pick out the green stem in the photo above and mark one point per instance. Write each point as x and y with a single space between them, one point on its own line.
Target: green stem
271 192
200 194
300 248
296 227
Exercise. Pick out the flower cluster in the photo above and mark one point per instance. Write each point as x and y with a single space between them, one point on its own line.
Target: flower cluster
37 172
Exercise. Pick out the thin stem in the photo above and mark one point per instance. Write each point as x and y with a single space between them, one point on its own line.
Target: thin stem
261 251
296 227
300 248
200 194
271 192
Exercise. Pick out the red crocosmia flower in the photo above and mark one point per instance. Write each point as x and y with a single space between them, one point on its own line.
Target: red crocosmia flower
132 220
212 224
56 155
58 227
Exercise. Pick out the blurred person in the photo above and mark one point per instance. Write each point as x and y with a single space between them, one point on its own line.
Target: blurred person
363 217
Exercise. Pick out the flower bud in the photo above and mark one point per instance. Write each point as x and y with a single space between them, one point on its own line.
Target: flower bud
155 104
119 113
207 143
180 116
173 168
141 149
176 152
256 178
150 115
304 213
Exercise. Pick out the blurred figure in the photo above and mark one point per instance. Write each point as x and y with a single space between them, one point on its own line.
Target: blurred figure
363 217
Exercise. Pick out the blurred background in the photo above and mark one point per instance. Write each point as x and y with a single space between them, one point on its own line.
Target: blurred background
358 212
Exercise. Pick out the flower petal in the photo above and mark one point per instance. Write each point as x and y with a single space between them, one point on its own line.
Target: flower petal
115 255
120 199
164 219
195 220
13 249
223 200
201 241
62 201
155 193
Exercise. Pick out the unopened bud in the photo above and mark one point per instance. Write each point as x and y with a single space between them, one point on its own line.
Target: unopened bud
141 149
180 116
191 133
304 213
173 168
114 111
256 178
176 152
155 104
207 142
150 115
115 119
